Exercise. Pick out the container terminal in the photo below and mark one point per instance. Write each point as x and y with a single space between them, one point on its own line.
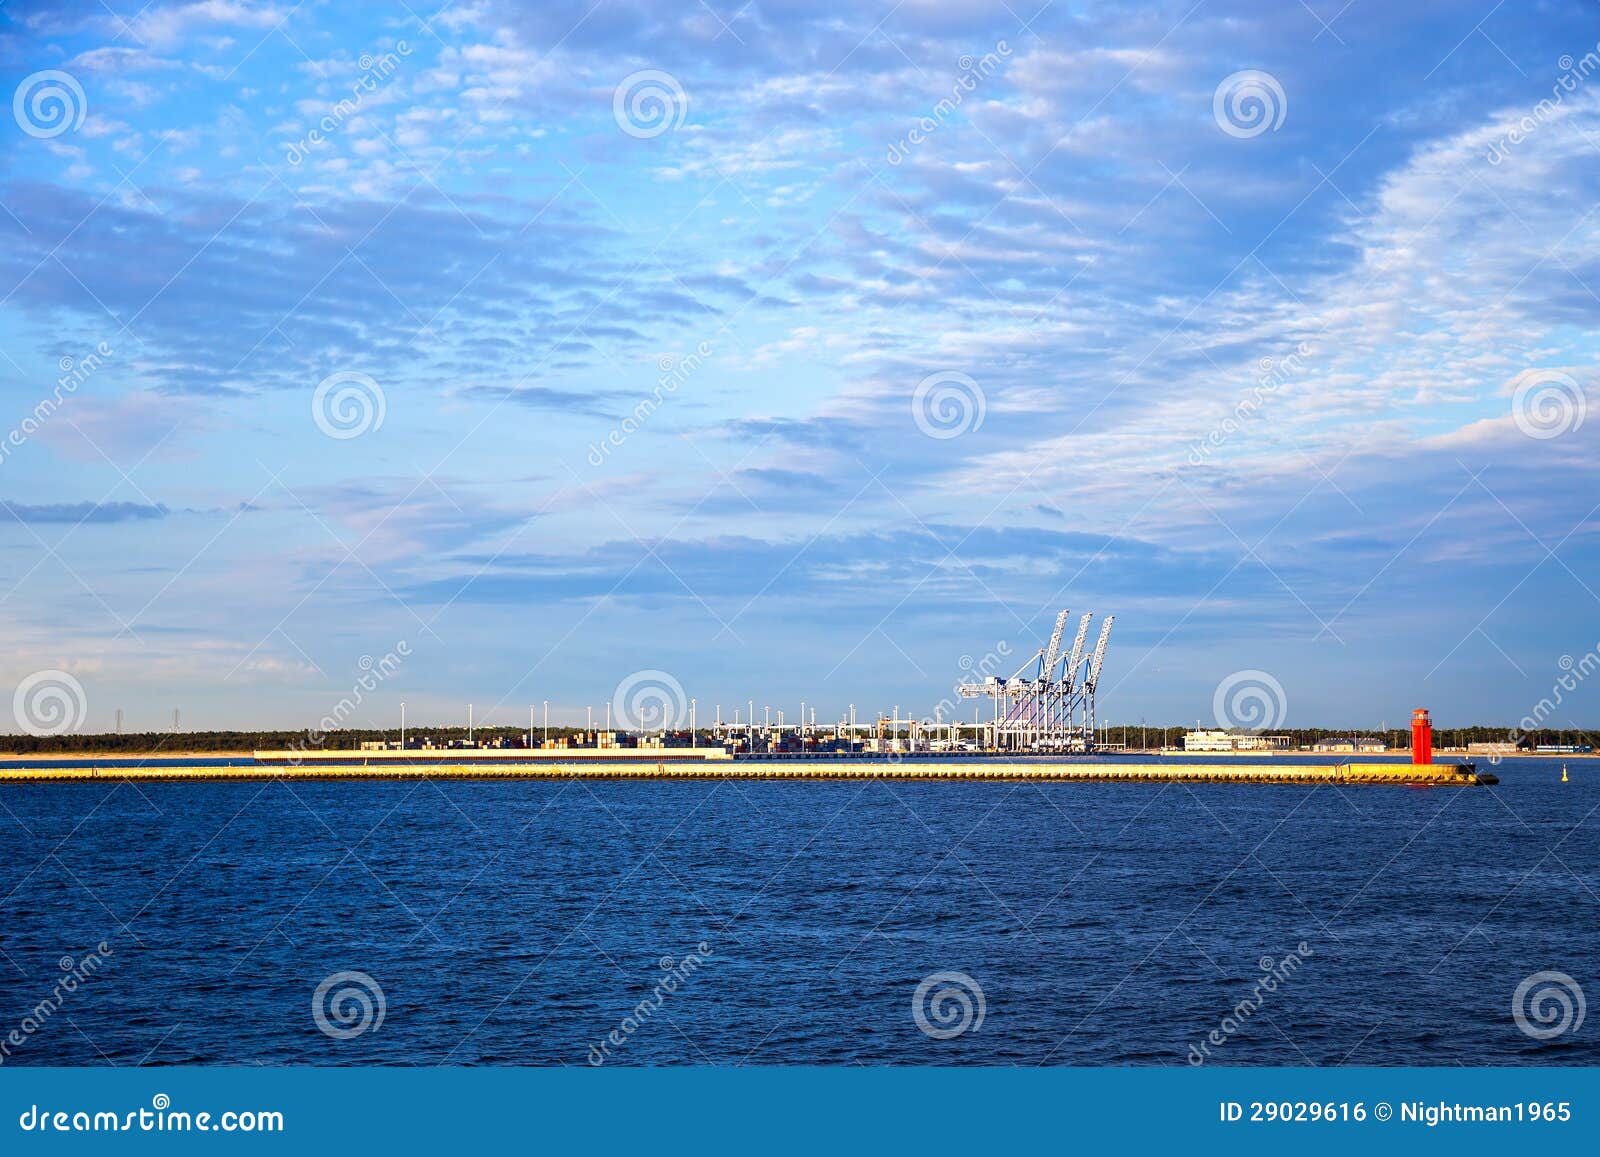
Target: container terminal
1041 727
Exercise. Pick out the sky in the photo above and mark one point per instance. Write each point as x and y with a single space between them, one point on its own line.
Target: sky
791 353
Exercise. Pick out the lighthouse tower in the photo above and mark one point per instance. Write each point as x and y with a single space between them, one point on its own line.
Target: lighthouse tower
1421 736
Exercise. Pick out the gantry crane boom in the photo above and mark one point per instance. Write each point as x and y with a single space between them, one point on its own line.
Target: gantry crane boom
1052 654
1092 678
1070 676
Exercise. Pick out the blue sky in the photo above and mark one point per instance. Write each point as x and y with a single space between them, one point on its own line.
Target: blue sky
798 351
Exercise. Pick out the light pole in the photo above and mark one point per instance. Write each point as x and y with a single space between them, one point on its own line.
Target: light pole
694 738
402 726
547 721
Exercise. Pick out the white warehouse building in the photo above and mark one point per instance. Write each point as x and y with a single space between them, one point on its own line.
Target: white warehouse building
1230 741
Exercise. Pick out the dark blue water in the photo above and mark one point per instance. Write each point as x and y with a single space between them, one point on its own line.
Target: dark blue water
521 923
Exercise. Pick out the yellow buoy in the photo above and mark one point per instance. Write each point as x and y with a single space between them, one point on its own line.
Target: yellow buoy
1563 773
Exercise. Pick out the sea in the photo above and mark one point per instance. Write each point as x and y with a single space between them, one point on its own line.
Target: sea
869 922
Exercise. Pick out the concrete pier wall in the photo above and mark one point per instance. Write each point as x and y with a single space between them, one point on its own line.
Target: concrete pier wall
1392 774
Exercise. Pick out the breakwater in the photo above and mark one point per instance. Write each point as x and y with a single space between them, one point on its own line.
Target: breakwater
1390 774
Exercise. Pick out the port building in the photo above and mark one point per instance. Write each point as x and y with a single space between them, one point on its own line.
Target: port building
1348 744
1234 741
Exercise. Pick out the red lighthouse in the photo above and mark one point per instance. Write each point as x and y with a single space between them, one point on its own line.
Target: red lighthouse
1421 736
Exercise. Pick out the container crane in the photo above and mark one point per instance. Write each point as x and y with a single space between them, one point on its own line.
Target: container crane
1049 707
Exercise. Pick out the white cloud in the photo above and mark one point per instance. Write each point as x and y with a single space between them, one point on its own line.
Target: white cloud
169 26
118 59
